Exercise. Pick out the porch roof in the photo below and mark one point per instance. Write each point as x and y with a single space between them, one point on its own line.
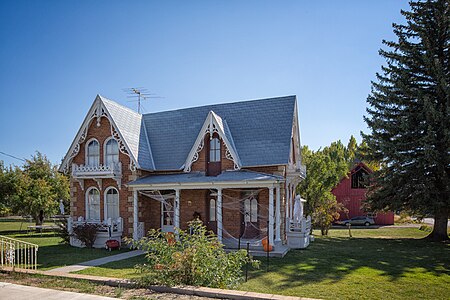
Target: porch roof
200 180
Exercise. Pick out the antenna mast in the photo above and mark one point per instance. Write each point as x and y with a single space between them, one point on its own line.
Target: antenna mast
139 94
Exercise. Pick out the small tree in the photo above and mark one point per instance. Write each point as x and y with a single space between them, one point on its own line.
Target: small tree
196 259
38 187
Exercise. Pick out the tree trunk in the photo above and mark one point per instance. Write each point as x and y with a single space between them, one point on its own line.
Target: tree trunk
439 232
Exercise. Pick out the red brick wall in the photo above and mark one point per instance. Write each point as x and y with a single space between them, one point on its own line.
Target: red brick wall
125 196
200 164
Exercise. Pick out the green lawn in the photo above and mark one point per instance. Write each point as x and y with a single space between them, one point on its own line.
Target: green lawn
52 254
384 263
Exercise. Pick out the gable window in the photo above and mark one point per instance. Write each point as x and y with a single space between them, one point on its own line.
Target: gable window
111 152
112 204
93 205
93 153
214 150
359 179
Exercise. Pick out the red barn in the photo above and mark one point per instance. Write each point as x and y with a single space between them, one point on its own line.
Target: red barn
351 191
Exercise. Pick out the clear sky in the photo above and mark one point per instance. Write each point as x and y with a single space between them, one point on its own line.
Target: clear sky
55 56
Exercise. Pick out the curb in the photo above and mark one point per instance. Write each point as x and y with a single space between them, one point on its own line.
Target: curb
183 290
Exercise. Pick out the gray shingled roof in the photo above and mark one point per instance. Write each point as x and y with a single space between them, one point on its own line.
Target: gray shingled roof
200 177
260 129
129 124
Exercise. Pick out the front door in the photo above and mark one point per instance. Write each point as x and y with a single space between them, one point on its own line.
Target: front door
250 220
211 208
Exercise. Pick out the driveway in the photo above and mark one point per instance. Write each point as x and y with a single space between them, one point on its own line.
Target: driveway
22 292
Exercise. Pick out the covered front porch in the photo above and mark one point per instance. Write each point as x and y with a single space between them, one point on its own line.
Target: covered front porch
240 207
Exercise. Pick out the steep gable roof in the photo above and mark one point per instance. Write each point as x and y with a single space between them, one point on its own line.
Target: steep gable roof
257 132
130 125
127 125
261 131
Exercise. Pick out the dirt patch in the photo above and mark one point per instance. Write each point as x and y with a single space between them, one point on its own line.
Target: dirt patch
87 287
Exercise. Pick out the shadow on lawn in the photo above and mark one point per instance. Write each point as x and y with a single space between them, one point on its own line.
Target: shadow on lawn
334 258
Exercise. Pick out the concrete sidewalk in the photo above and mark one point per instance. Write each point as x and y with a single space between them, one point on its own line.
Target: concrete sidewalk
95 262
22 292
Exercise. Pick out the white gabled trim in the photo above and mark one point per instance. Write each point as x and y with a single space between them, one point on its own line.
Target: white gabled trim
97 111
213 124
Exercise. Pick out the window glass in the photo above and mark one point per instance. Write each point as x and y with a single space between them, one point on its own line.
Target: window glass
111 152
247 217
214 150
112 204
212 210
93 153
93 205
254 210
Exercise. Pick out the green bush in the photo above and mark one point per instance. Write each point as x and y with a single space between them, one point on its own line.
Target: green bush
86 233
196 259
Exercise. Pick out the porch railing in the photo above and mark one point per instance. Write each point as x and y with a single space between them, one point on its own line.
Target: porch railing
17 254
303 226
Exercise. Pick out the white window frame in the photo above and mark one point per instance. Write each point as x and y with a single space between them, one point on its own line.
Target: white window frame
86 151
87 206
217 156
105 147
105 206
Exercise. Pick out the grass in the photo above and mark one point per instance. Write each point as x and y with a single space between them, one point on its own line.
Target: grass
118 269
52 254
383 263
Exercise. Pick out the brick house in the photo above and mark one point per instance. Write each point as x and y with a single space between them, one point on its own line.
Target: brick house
351 191
235 166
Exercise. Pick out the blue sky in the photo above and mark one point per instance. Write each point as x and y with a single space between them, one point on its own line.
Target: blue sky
55 56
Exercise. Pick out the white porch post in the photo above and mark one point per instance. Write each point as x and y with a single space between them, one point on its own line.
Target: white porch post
292 201
176 222
219 215
271 219
278 215
135 215
287 205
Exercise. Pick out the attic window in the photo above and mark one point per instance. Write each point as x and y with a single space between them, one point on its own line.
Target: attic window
359 179
214 150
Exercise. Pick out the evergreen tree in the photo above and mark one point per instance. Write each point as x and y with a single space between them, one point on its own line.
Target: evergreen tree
409 117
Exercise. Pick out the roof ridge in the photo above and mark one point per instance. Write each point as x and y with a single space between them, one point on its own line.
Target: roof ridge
220 104
103 98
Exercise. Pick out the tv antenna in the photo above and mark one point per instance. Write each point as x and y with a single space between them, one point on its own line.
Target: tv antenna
139 94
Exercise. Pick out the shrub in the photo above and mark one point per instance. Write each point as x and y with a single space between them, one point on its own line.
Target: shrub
86 233
196 259
63 231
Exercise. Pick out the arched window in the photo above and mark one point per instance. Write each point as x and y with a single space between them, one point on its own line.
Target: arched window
111 152
212 210
93 153
214 150
111 203
251 210
92 205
